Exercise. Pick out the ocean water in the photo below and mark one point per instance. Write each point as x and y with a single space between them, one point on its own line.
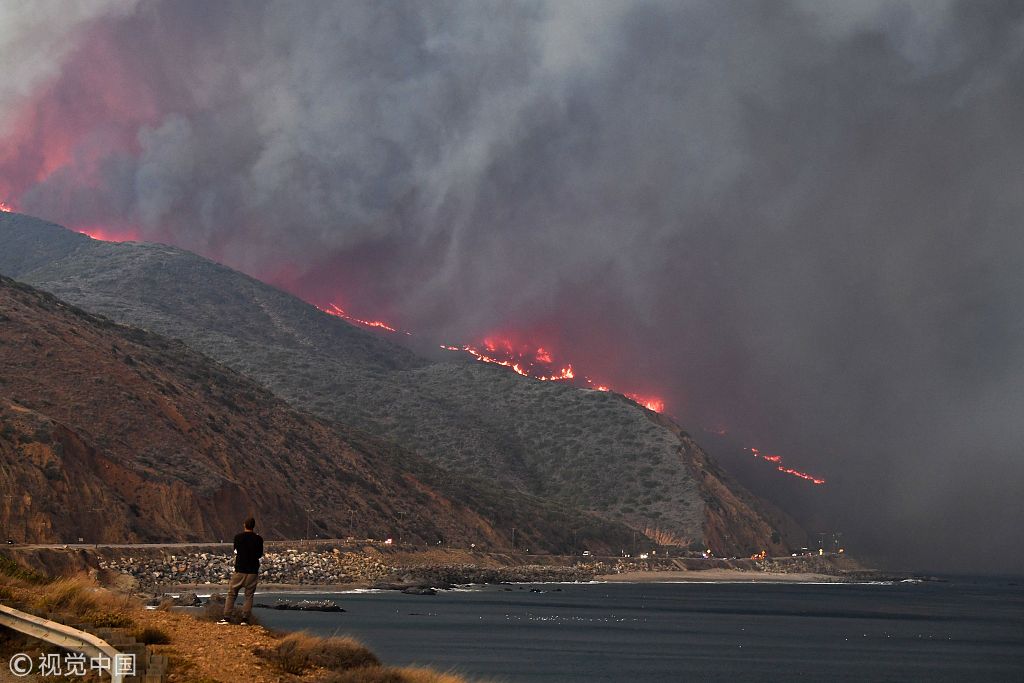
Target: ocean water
959 630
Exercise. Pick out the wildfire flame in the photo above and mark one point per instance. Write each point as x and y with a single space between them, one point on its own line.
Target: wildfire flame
339 312
5 207
539 363
777 460
104 235
517 362
651 403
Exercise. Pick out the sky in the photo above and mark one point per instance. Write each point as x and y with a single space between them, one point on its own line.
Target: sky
797 221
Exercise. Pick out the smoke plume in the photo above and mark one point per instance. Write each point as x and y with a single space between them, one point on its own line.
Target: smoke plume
799 220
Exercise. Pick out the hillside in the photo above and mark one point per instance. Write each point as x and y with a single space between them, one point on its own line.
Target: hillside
592 450
109 433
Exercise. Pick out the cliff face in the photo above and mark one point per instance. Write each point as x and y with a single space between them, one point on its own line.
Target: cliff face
571 447
736 522
57 487
112 434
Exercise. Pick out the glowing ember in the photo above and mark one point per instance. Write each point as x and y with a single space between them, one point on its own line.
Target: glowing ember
649 402
104 235
777 459
5 207
339 312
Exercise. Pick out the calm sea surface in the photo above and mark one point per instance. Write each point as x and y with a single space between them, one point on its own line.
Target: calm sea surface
960 630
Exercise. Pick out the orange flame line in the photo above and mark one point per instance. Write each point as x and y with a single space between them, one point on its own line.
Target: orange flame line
338 312
777 459
802 475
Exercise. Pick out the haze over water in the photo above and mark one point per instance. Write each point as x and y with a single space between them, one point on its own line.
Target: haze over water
961 630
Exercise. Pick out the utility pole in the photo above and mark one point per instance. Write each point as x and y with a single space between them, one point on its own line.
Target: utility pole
351 526
401 523
99 527
513 537
9 510
308 511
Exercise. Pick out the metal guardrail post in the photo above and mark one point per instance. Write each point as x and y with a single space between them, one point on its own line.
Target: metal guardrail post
62 636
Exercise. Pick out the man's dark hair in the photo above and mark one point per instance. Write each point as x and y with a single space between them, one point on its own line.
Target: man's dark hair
249 524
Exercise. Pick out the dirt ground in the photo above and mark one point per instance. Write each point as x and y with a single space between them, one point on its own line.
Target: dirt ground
206 651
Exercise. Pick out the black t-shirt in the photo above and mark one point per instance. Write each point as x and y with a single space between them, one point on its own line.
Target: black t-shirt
248 551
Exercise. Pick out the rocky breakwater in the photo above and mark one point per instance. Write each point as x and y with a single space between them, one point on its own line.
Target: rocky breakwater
285 567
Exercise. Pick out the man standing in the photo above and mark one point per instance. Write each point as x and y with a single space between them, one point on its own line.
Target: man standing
248 551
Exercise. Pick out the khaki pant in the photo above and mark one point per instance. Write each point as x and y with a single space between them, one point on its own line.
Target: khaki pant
239 580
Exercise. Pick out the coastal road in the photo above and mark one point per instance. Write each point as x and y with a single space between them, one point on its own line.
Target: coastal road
206 544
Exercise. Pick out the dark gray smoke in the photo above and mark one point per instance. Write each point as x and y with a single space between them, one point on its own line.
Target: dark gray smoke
799 220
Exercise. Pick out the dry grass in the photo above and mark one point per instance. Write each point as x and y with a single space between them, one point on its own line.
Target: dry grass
70 594
299 652
389 674
74 600
346 660
151 635
77 599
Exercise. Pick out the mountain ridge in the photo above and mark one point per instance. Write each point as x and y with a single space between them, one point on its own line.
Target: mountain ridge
111 433
592 450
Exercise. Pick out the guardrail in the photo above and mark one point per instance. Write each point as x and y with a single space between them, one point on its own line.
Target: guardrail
65 637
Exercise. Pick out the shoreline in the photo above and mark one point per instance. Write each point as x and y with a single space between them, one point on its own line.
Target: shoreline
696 576
723 576
345 569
